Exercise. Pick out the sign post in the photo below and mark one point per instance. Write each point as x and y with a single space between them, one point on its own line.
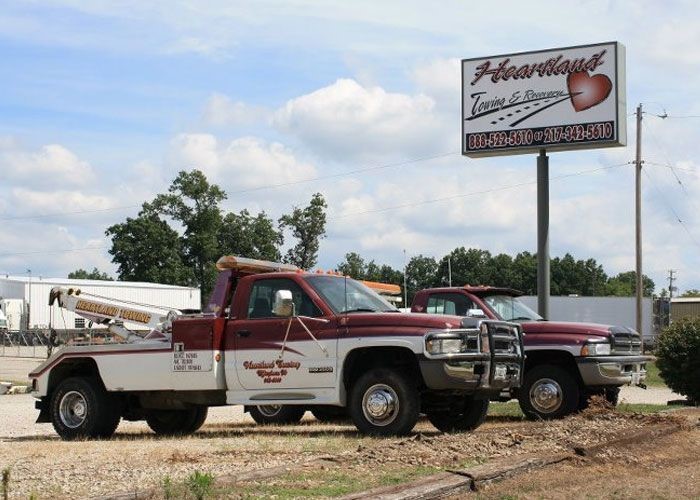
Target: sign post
549 100
543 280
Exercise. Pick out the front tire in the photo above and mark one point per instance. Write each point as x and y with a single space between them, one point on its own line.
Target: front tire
81 408
177 422
548 392
464 415
277 414
384 402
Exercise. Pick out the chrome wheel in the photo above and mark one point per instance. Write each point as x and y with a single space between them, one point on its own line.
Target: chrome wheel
269 410
380 405
546 395
72 409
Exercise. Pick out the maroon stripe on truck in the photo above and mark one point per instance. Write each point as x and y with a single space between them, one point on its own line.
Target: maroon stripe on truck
35 374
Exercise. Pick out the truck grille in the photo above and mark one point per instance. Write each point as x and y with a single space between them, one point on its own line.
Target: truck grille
505 340
625 341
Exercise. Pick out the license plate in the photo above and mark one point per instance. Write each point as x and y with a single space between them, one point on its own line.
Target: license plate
500 372
636 378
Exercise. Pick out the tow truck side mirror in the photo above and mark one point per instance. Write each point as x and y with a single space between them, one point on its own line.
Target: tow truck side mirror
283 305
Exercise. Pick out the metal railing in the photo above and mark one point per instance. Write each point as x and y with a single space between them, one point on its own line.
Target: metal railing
25 344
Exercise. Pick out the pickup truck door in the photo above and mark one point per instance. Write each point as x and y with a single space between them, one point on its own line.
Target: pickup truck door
265 359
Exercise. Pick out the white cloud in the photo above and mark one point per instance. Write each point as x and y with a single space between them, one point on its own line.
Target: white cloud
347 120
52 164
221 110
28 201
246 162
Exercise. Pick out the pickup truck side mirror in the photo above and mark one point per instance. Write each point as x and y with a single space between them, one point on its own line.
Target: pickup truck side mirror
476 313
283 305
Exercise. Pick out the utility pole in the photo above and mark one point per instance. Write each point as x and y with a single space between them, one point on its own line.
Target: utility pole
405 290
671 279
449 270
638 223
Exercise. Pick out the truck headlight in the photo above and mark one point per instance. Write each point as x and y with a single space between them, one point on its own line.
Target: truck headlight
444 345
596 349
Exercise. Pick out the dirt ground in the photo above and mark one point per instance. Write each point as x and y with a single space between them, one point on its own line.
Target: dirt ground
230 444
668 467
46 467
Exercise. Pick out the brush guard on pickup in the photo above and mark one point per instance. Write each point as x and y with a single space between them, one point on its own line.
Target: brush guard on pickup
483 355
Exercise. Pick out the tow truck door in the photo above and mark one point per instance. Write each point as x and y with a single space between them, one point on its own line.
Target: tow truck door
265 360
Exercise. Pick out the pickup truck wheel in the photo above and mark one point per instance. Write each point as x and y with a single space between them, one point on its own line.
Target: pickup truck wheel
277 414
330 414
548 392
81 408
177 422
384 402
465 415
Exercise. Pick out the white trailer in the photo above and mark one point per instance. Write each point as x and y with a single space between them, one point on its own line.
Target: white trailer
30 294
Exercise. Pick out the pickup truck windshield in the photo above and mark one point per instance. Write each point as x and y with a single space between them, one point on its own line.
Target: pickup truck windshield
359 298
509 308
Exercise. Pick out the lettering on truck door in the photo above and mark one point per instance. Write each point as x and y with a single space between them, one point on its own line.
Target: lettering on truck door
265 359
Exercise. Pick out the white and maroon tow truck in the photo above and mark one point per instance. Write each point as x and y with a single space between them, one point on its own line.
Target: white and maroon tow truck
279 341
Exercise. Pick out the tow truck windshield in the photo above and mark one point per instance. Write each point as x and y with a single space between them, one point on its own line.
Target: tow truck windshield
345 295
509 308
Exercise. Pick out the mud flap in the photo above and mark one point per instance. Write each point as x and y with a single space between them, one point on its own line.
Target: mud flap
44 416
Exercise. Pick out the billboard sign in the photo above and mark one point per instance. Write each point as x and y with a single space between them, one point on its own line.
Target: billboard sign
556 99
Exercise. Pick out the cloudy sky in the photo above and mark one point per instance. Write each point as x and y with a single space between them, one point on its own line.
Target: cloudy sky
103 102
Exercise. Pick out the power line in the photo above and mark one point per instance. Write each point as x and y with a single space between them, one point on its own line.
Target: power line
670 207
66 250
349 172
473 193
384 209
668 163
259 188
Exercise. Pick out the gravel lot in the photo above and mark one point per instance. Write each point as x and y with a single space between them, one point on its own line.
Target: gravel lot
231 443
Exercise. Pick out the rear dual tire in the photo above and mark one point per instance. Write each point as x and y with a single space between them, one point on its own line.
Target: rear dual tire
177 422
81 408
464 415
277 414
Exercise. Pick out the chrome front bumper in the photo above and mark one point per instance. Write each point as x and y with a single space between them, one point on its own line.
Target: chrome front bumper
613 370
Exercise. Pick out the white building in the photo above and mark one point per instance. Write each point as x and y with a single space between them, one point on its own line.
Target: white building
31 297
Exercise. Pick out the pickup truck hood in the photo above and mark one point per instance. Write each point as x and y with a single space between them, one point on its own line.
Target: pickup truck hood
401 320
565 327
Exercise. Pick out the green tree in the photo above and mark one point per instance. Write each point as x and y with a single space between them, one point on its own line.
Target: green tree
571 276
250 236
625 285
384 274
691 293
146 248
308 226
353 266
194 203
421 272
524 273
678 354
470 266
95 274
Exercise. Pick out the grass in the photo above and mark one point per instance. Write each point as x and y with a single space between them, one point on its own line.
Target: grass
511 409
327 483
653 377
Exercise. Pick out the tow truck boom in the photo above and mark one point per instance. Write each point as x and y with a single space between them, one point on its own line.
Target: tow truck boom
114 312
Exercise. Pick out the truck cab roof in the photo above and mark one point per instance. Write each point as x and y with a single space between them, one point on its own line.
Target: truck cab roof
480 290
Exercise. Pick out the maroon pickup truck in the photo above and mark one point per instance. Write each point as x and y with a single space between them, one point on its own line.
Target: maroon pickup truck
566 362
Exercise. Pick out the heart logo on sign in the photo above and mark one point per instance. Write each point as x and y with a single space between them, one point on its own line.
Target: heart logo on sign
587 91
